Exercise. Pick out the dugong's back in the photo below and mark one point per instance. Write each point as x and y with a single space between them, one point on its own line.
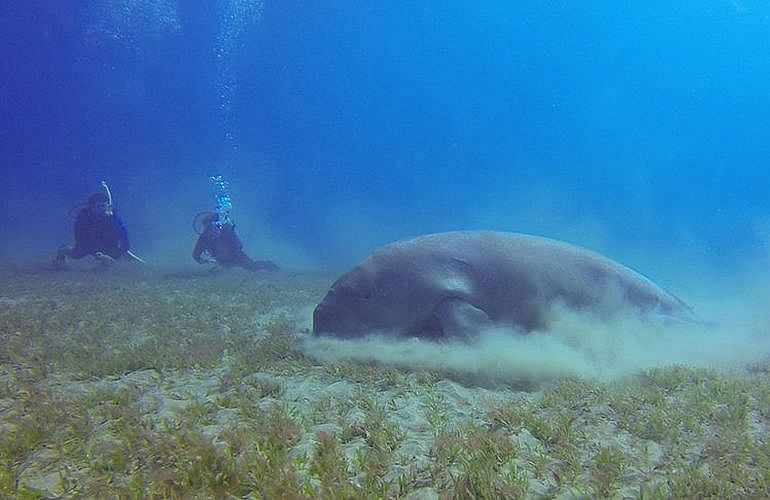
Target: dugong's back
507 268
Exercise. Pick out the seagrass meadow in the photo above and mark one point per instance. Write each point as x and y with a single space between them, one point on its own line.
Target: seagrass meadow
191 385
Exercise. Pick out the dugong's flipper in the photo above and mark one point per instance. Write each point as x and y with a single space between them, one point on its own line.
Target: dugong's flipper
460 319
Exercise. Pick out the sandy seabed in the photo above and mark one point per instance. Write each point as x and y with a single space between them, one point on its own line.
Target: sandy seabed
144 383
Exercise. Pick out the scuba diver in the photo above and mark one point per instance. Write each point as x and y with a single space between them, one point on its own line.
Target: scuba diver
98 232
217 241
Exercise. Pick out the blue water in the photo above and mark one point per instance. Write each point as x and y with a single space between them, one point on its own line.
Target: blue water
637 128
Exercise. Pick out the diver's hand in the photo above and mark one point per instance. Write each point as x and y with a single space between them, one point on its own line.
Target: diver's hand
104 258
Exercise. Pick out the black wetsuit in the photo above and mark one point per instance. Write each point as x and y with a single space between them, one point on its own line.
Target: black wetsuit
226 248
99 233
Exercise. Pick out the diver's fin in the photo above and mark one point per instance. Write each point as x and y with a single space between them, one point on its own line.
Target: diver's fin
135 258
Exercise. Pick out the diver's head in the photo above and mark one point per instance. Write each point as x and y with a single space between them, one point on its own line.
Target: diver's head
214 224
211 226
99 203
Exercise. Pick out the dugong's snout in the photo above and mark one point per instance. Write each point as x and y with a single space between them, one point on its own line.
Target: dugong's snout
335 320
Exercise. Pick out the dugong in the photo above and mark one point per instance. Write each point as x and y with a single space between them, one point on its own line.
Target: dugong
454 284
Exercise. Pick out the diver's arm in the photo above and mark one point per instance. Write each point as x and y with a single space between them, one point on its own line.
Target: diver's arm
81 228
235 241
201 246
123 243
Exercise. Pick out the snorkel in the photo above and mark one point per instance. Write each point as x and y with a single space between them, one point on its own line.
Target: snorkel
110 212
106 188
